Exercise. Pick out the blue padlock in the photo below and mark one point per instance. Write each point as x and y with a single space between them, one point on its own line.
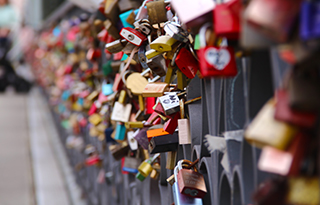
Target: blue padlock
123 17
310 20
107 134
65 95
180 199
107 88
120 132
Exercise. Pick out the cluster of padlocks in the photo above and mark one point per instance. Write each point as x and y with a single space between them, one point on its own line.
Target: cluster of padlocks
166 88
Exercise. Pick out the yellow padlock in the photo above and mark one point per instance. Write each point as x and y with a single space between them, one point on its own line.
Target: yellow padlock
163 43
95 119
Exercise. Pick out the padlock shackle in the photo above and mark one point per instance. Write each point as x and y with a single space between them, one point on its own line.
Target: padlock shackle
202 34
180 166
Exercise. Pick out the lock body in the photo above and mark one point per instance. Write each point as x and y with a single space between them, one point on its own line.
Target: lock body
133 36
187 63
191 183
217 61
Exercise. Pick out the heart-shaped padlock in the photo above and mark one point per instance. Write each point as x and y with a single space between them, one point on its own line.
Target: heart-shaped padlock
214 60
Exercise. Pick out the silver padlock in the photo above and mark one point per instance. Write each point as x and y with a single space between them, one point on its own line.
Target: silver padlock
157 65
116 46
174 30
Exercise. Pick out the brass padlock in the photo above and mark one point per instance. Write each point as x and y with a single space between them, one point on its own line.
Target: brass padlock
265 130
157 11
112 11
112 30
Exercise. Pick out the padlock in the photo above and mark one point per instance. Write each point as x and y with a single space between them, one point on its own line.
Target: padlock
154 174
164 143
151 53
134 125
303 190
285 162
142 56
193 13
171 125
156 132
131 164
157 65
170 103
265 130
183 126
309 22
121 112
187 63
94 160
163 43
171 160
112 29
271 191
145 167
174 30
230 26
95 119
106 88
215 61
142 138
156 89
157 12
150 102
283 112
124 16
272 17
191 182
304 83
111 11
93 109
122 97
131 140
179 198
170 75
116 46
144 26
93 96
126 5
133 36
120 131
119 151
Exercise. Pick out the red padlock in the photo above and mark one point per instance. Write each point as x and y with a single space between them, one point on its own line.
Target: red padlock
133 36
215 61
230 26
187 63
150 102
171 125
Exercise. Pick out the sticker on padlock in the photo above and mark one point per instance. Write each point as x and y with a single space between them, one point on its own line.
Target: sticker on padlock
133 36
170 103
215 61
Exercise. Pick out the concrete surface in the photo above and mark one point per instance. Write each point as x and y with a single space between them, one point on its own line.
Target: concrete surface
34 169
